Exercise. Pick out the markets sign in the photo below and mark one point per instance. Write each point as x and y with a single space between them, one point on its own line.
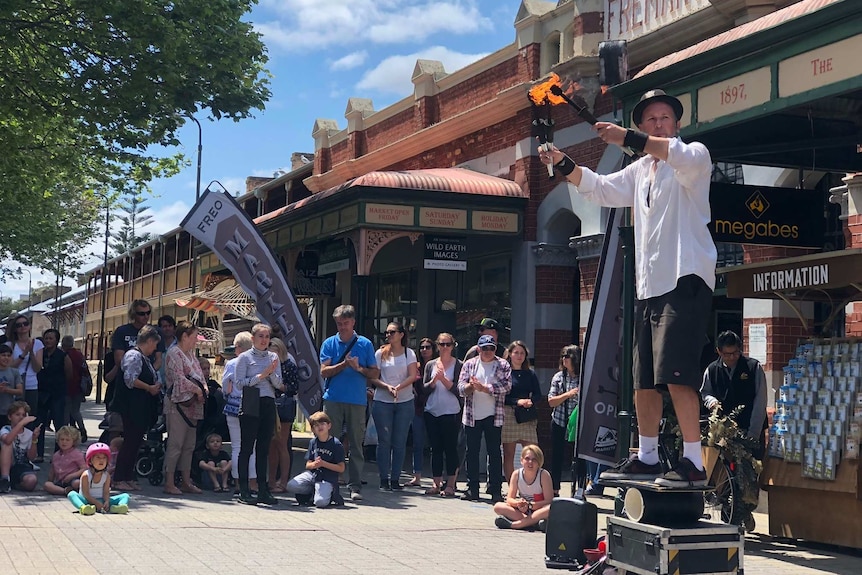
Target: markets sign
445 253
767 216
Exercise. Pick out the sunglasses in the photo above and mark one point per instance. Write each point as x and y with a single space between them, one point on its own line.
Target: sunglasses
143 313
424 347
24 324
388 333
565 357
529 459
445 343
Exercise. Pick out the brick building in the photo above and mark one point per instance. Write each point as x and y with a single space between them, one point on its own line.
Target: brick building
454 164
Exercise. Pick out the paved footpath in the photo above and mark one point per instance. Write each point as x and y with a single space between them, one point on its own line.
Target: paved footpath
387 533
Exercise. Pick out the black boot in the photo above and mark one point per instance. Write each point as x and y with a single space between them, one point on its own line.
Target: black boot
264 496
245 496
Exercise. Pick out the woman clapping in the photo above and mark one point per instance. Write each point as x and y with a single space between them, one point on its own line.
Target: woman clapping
393 404
442 414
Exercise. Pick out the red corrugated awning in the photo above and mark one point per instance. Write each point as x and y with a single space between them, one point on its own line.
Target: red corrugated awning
763 23
457 180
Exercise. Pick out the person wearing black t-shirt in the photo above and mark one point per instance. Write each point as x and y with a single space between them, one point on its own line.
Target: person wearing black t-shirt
125 338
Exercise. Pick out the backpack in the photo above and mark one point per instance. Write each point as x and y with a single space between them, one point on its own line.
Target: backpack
86 379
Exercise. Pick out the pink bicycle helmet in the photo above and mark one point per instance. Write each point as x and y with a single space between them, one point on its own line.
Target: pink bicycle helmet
98 448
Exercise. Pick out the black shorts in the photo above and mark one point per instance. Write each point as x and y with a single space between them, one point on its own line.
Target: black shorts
17 473
669 335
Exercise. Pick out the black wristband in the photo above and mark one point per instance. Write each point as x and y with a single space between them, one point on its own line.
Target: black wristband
636 140
565 166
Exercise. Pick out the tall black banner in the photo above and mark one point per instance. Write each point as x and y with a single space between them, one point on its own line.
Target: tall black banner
218 222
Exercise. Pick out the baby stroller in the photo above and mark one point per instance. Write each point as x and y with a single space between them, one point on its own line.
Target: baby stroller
151 456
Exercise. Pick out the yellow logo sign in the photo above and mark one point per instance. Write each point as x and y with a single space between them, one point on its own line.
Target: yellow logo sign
562 547
757 204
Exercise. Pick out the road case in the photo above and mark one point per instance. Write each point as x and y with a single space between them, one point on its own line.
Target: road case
701 548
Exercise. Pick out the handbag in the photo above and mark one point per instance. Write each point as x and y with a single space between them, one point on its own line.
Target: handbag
525 414
250 406
340 359
232 405
285 405
572 427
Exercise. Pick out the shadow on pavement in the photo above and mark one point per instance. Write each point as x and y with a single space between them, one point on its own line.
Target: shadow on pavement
827 558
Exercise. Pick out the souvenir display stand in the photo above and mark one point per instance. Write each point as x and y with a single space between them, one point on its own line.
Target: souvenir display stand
812 472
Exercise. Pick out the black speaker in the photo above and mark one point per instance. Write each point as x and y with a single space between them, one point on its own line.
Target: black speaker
613 62
573 525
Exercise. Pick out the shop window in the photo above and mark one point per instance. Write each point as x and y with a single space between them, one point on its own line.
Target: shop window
393 298
485 291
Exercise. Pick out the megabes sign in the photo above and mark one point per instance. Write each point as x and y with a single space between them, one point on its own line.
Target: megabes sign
767 216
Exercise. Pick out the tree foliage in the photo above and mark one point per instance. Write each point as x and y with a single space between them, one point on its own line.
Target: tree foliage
135 219
90 88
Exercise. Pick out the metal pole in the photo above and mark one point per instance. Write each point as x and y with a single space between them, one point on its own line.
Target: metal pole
101 369
193 254
627 242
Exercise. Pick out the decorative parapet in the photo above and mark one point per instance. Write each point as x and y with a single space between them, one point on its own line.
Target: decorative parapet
357 110
323 130
587 247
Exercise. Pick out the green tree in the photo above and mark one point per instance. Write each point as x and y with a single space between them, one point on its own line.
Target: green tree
89 92
135 218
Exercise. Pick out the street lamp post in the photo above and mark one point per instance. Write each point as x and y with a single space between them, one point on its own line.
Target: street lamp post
100 371
200 151
29 286
193 253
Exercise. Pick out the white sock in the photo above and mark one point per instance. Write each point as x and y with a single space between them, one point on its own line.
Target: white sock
648 449
692 452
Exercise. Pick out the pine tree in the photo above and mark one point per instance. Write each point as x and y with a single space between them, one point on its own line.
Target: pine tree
129 235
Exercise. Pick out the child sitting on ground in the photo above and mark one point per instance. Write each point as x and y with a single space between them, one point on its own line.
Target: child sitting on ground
216 463
324 462
11 386
531 491
17 448
67 463
95 491
116 445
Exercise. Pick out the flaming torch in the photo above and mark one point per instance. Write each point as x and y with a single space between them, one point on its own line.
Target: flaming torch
543 127
551 92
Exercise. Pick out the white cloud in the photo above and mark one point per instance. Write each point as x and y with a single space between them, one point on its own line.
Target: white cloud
312 25
350 61
393 75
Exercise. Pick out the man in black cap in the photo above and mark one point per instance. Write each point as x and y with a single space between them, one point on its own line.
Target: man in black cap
668 192
488 326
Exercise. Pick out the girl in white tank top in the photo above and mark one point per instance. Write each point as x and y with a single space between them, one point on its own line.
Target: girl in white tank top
531 490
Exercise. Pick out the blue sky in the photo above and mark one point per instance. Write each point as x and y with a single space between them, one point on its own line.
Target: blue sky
322 52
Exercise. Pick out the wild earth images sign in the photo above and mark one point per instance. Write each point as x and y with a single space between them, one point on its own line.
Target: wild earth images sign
767 216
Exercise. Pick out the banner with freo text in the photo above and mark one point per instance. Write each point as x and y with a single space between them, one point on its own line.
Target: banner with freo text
598 426
219 223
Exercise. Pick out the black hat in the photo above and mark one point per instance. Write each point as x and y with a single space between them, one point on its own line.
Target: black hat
488 323
656 96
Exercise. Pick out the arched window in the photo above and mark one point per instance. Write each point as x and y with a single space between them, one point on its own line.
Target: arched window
550 52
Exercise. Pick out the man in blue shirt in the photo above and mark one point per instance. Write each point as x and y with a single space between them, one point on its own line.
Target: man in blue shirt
346 362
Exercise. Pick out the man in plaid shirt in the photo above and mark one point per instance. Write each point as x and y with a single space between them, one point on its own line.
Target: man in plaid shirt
484 382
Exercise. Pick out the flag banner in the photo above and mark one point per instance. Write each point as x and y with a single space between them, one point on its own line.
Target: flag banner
219 223
598 426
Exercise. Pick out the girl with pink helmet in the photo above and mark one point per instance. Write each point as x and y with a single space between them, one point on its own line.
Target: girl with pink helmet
94 493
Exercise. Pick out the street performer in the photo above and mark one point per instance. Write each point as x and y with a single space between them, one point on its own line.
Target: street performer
668 192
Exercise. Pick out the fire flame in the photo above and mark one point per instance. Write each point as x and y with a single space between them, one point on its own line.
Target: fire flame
541 93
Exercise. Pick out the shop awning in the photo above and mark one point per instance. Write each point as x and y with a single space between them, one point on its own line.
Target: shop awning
782 90
226 297
442 180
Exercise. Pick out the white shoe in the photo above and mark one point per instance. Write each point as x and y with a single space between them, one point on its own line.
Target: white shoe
355 496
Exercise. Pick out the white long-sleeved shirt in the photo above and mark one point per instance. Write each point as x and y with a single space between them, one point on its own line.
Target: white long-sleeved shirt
671 215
